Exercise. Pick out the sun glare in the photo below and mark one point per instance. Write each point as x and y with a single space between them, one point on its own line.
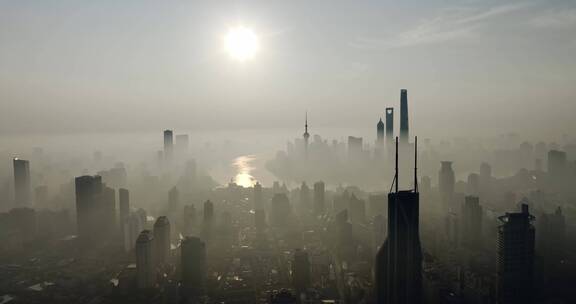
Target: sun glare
241 43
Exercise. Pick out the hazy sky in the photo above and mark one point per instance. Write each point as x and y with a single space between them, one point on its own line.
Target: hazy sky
469 66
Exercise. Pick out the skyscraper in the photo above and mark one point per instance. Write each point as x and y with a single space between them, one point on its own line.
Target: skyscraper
22 185
258 202
168 144
380 132
124 218
446 184
162 240
318 198
145 274
193 263
398 267
379 150
471 222
404 116
516 238
95 210
300 271
280 210
390 126
208 212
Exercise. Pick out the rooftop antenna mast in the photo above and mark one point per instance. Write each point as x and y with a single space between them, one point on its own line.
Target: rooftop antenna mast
416 164
395 181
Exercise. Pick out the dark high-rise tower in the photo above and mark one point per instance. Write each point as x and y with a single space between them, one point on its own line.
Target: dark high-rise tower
390 125
516 237
95 210
162 240
398 267
301 271
404 115
472 222
379 138
380 132
193 262
22 187
168 144
124 218
446 183
145 275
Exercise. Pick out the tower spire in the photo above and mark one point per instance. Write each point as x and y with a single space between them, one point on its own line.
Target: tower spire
306 134
415 163
395 180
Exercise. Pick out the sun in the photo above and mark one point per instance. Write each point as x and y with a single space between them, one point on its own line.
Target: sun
241 43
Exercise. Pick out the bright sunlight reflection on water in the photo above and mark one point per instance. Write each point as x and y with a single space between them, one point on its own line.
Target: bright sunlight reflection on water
243 167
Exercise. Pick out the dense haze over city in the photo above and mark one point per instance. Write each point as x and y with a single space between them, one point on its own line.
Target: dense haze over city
287 152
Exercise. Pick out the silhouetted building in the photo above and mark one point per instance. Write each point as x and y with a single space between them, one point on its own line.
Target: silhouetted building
280 210
398 267
168 144
145 268
22 185
446 183
319 198
258 200
473 186
124 218
162 240
173 200
193 263
300 271
379 138
357 208
390 126
404 116
208 212
95 210
551 239
516 238
471 222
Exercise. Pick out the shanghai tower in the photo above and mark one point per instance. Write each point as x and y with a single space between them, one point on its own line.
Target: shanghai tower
404 116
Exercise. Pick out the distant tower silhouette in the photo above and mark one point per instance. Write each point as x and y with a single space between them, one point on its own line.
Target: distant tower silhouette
446 184
145 275
472 222
168 144
318 198
404 116
301 271
379 138
516 237
193 261
306 136
162 240
124 218
22 187
398 267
